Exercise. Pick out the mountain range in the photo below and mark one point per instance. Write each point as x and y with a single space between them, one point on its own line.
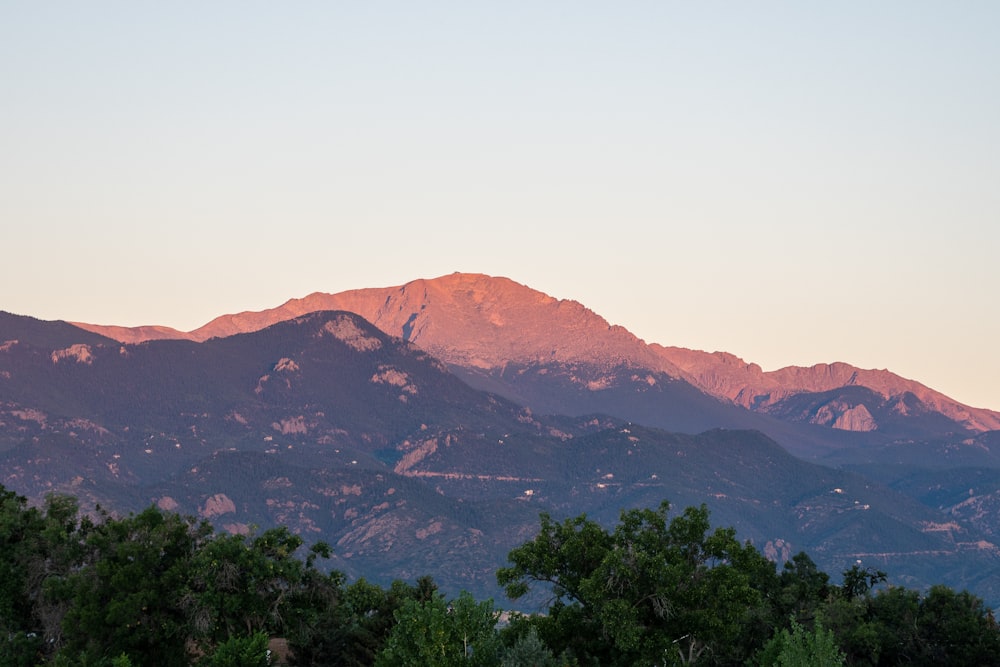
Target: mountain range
421 428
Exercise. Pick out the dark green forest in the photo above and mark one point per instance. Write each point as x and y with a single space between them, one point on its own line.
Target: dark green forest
660 588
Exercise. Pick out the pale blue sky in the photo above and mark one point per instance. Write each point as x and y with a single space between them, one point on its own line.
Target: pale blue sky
792 182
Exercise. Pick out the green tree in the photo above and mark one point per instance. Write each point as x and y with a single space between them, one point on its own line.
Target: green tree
436 633
562 556
802 588
800 647
528 650
651 592
316 618
859 581
859 635
238 651
19 528
240 586
332 624
124 599
38 549
887 634
956 628
900 626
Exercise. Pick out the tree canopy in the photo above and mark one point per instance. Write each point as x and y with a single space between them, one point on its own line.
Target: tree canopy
658 588
651 591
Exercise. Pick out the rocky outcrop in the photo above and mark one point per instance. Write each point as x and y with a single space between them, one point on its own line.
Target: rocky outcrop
839 415
81 354
217 505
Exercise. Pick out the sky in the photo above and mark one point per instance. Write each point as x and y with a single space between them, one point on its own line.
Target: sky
791 182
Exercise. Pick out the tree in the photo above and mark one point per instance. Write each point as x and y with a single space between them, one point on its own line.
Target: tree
348 626
651 592
901 626
315 619
528 650
248 651
436 633
563 556
802 648
125 597
241 585
20 527
859 582
886 632
955 628
39 548
803 588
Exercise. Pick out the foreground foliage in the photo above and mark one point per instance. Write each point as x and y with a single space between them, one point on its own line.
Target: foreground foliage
798 646
156 588
650 592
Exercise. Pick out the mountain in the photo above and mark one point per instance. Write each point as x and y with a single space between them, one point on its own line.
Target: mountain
745 384
557 356
327 424
320 423
15 328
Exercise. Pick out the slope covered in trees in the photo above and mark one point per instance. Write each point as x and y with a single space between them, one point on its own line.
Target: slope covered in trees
660 588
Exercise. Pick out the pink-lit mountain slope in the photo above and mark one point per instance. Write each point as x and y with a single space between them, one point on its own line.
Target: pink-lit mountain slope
727 376
470 320
495 327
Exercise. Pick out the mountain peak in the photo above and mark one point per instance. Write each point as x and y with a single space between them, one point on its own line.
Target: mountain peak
485 323
497 320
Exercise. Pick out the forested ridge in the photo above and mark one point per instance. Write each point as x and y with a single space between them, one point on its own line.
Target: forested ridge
660 588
